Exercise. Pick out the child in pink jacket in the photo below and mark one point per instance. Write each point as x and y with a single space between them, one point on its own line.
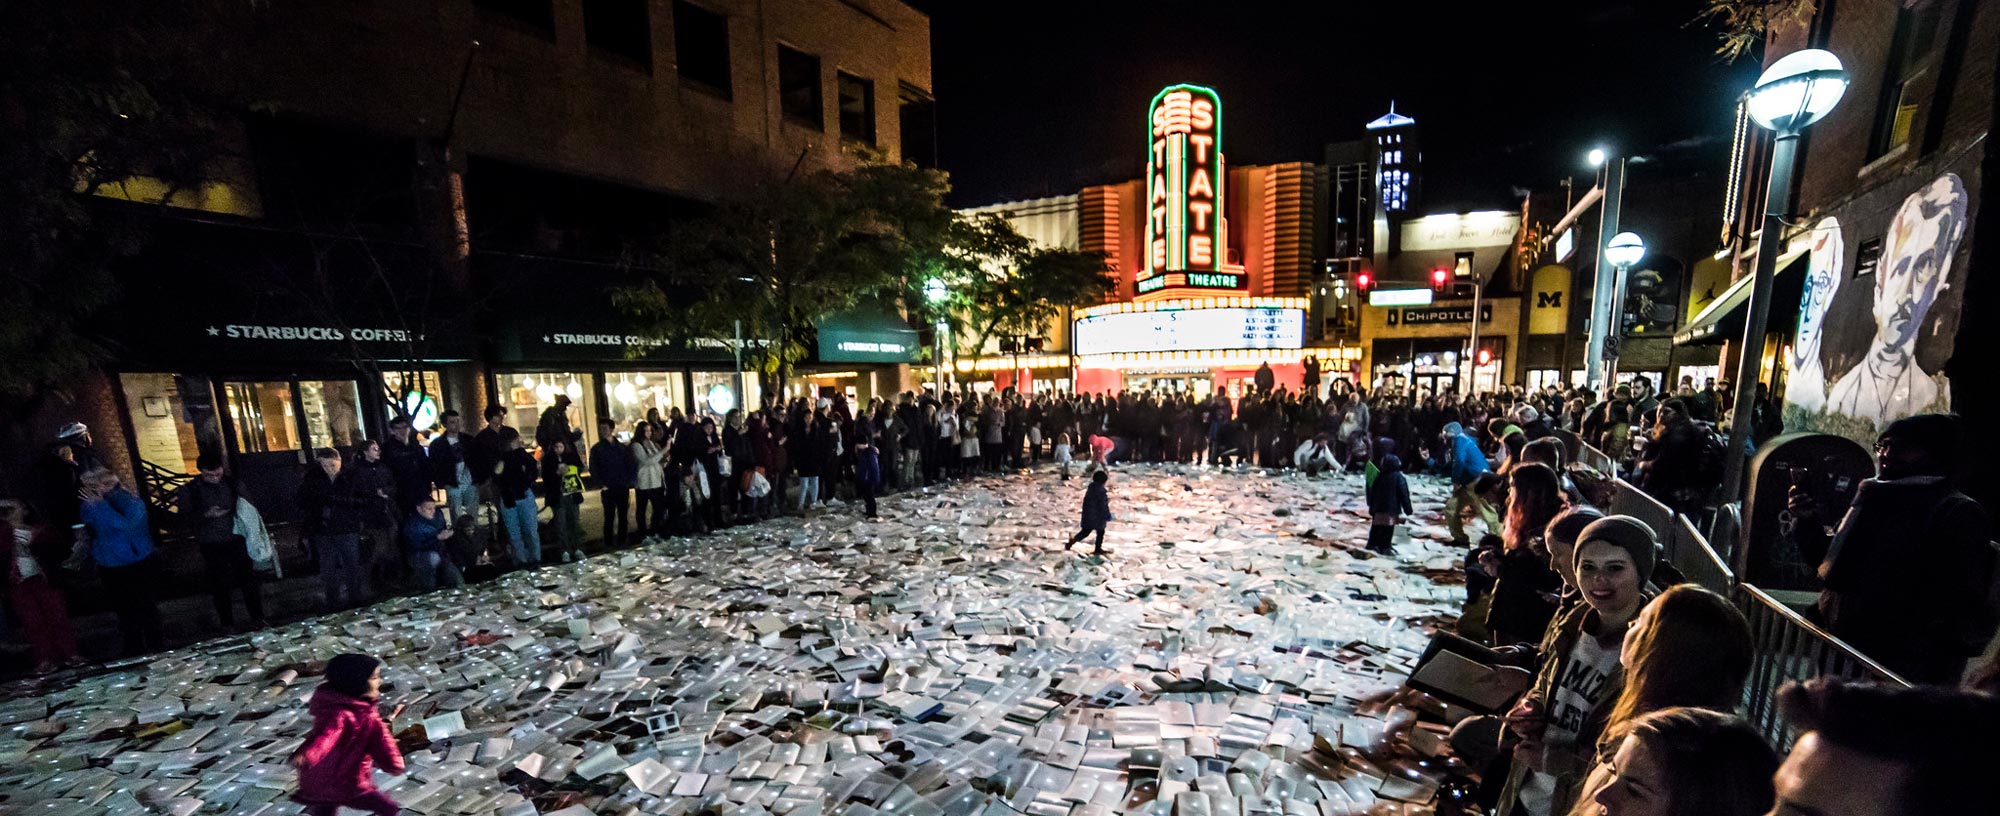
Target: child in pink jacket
347 742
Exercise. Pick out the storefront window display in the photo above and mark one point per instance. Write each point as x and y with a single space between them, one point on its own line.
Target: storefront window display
333 413
173 419
262 414
1699 375
530 393
1541 377
633 393
421 394
714 401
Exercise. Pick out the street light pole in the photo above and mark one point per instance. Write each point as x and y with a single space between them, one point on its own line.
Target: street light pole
1602 309
1793 93
1750 358
1624 251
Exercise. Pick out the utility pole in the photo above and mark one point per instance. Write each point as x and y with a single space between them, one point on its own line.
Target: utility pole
1603 307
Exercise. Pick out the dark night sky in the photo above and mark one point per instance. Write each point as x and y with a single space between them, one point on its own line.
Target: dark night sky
1041 98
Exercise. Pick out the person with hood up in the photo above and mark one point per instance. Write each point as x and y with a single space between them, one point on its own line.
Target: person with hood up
1388 502
1096 512
348 740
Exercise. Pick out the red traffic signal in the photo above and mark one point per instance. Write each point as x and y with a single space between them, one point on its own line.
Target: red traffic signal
1440 278
1363 282
1485 357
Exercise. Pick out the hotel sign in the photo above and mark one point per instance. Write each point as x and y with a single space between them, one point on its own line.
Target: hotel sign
1185 239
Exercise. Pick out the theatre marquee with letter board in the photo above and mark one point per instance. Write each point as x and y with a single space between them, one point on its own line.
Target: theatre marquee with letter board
1191 330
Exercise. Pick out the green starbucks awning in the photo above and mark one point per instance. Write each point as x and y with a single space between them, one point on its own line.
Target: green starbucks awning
868 333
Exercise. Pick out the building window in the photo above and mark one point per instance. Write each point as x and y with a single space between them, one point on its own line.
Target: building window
916 125
529 393
173 422
857 108
701 46
1909 52
799 92
537 16
619 28
636 394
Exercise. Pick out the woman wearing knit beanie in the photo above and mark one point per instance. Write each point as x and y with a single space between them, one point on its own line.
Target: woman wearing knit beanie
1560 718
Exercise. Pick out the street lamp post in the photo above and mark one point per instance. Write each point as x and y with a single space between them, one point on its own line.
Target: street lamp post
934 294
1602 310
1790 95
1624 250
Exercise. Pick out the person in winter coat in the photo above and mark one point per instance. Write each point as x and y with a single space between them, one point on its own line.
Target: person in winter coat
1670 467
1096 512
407 464
516 483
373 491
1579 673
1466 464
122 545
26 553
867 471
330 523
617 472
1388 503
1524 597
562 489
348 741
207 507
424 535
1906 571
650 480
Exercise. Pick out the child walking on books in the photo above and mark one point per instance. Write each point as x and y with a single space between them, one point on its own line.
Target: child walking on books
1063 454
1096 512
1388 502
347 742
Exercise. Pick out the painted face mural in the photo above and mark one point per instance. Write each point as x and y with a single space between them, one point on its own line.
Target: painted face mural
1915 264
1806 385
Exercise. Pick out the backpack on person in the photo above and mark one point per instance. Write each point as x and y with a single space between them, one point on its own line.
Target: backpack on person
1712 458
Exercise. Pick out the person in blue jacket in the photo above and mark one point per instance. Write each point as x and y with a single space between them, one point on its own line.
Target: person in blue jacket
1467 464
1096 512
1388 502
121 542
424 535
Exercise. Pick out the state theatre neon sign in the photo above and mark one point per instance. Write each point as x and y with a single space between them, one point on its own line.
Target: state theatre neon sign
1186 236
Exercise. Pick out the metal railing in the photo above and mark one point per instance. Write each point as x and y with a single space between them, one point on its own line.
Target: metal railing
1787 647
1692 555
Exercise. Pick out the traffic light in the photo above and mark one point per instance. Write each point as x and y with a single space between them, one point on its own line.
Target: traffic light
1440 278
1364 281
1485 357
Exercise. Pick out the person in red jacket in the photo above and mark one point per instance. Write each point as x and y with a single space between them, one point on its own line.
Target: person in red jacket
347 742
25 559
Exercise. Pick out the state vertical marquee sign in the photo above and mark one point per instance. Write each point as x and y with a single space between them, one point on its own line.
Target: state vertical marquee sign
1186 242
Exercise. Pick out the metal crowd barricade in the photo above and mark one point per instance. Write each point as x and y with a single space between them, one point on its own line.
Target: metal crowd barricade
1627 500
1692 555
1786 647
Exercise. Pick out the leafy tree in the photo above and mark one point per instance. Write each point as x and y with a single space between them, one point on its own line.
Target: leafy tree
1743 24
789 254
92 93
1011 288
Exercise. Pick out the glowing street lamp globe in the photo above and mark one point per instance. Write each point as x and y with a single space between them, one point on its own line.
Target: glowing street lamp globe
1625 249
1797 90
1596 156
